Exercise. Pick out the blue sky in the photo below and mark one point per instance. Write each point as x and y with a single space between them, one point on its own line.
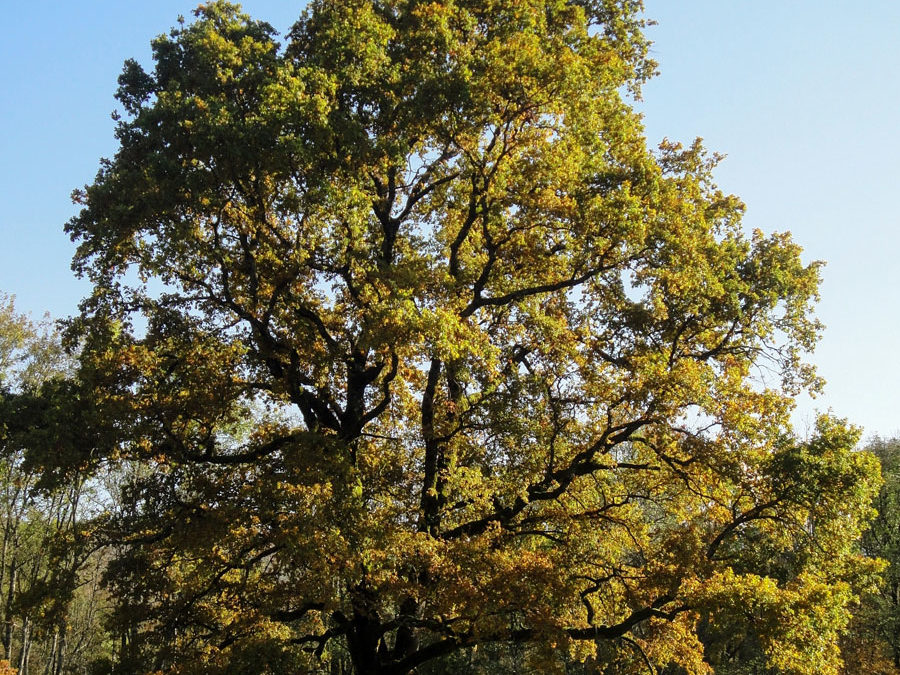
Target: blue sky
801 96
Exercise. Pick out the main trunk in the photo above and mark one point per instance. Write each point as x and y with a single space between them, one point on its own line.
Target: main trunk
365 645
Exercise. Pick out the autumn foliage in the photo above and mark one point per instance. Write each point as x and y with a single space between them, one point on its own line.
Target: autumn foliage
406 345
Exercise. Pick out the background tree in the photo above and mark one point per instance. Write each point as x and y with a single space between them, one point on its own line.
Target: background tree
49 596
417 349
873 643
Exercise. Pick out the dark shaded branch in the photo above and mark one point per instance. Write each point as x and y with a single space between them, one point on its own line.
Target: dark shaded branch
513 296
208 455
429 500
722 344
464 230
641 652
289 615
385 401
320 640
419 193
453 643
387 195
557 482
756 513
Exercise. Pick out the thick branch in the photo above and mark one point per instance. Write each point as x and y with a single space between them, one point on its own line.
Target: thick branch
209 456
513 296
604 632
756 513
429 500
555 483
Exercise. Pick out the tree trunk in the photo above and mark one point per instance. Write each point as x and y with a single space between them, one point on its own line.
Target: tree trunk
363 647
50 665
8 620
368 651
26 647
3 555
60 652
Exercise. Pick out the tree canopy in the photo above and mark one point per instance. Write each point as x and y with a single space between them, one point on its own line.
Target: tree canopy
411 346
50 598
873 642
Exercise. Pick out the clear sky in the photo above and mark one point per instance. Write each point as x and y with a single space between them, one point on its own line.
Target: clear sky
802 97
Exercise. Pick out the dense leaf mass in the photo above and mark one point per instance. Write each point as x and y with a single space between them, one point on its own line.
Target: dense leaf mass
412 345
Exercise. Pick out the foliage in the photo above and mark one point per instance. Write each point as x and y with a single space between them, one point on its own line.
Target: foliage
49 595
30 353
874 641
412 349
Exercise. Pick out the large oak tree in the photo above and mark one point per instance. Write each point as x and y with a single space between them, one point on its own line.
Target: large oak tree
412 345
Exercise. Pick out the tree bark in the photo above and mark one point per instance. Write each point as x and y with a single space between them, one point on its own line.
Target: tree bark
26 647
60 652
8 620
50 666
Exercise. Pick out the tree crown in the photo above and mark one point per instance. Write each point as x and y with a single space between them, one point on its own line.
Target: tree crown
442 355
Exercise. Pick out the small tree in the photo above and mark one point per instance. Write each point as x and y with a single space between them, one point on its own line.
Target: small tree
438 355
46 554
